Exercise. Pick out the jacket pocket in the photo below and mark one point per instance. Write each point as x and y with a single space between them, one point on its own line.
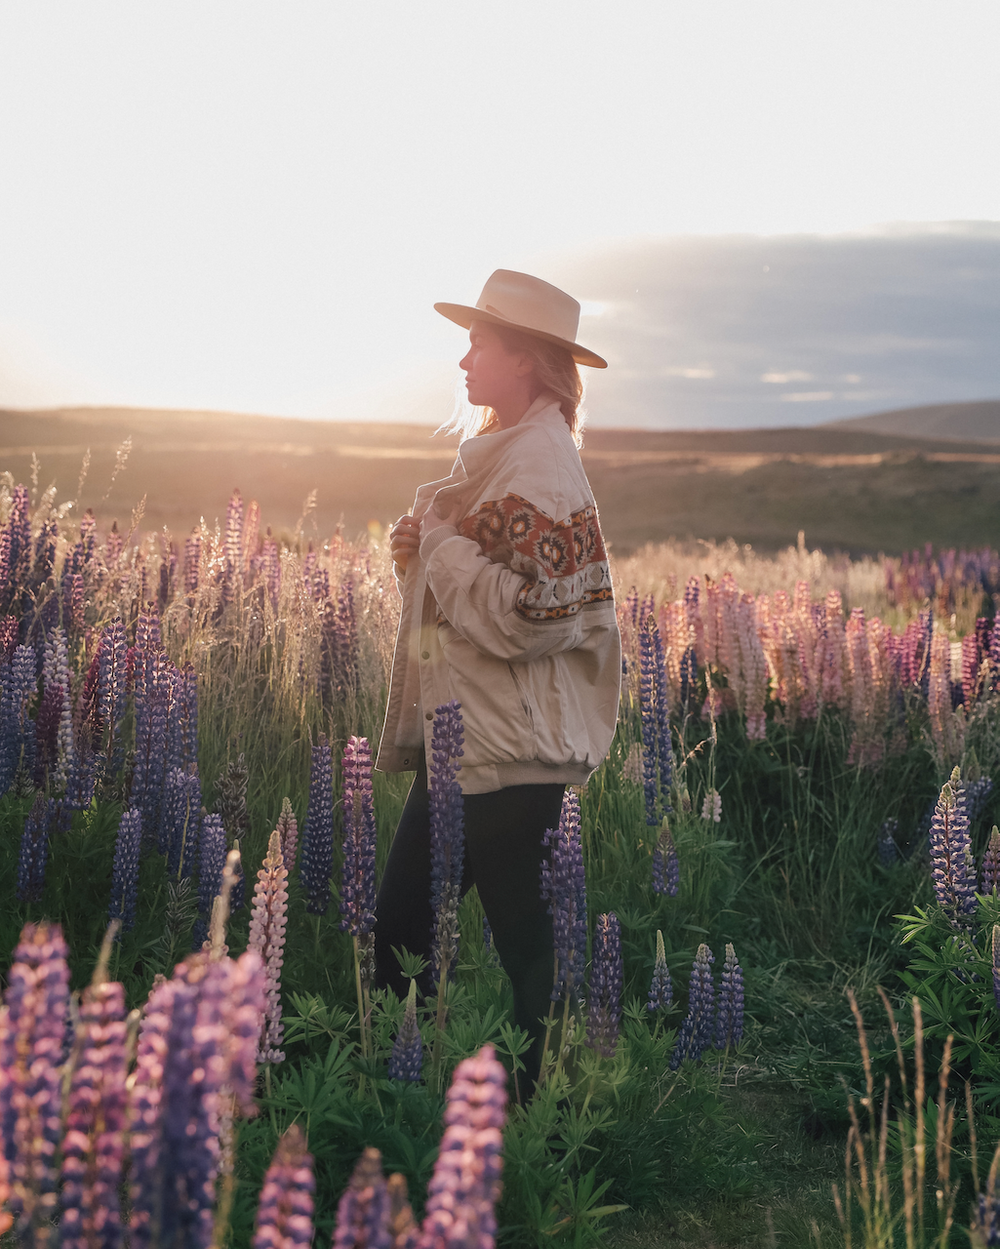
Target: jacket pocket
495 711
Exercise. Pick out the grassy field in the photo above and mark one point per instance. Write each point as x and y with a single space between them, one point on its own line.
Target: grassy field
850 490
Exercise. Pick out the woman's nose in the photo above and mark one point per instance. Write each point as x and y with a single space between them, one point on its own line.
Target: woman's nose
466 361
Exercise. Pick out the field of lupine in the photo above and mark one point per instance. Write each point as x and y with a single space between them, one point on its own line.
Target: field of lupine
799 797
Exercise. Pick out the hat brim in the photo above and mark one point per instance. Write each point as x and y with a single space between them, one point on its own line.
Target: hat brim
464 315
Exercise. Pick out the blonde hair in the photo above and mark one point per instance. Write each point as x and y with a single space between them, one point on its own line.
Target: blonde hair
556 373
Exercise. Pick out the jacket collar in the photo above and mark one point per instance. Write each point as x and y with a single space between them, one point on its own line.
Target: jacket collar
476 453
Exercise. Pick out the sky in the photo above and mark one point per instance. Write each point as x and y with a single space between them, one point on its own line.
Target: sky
252 207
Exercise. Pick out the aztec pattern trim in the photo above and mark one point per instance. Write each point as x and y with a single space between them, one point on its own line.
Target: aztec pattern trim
564 561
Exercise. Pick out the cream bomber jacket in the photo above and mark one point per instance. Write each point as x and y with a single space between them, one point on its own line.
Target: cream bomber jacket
511 613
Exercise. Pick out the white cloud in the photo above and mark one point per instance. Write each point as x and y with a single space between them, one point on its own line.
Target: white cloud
807 396
699 374
781 379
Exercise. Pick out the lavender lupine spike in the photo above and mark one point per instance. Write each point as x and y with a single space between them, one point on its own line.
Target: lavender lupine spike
125 872
267 937
664 750
285 1212
695 1035
357 881
152 688
990 875
604 1000
564 887
729 1017
407 1060
211 861
111 692
93 1151
952 867
56 680
34 854
661 989
447 834
666 864
996 965
316 860
17 729
465 1185
363 1211
180 824
649 725
31 1055
288 830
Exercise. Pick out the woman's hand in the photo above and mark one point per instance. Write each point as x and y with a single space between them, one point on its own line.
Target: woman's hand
404 541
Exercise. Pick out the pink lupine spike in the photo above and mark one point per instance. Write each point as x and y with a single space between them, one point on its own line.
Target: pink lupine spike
267 937
466 1181
94 1140
363 1212
31 1049
285 1213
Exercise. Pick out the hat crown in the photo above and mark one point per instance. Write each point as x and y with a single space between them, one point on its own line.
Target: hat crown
528 302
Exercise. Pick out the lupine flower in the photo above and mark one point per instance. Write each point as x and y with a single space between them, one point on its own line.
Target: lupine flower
17 729
180 822
285 1212
152 698
344 640
363 1210
192 561
729 1019
93 1148
182 719
648 721
31 1055
199 1034
57 708
288 830
990 875
82 775
357 887
267 937
465 1185
952 867
407 1060
125 873
996 965
666 864
689 675
661 990
975 795
111 683
402 1226
316 861
231 792
604 1000
695 1035
34 854
564 887
711 808
888 851
211 861
447 834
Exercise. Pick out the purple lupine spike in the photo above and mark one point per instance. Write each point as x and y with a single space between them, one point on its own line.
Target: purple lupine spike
729 1017
285 1212
233 547
288 831
211 861
8 638
952 867
564 887
888 851
182 718
666 864
447 822
18 532
111 690
31 1057
125 873
407 1060
6 588
17 729
970 669
34 854
996 965
152 700
363 1211
975 795
316 860
199 1035
649 725
664 750
357 888
346 635
989 880
192 561
632 606
93 1151
271 567
604 1000
182 820
464 1188
267 937
74 604
82 775
661 989
689 675
695 1035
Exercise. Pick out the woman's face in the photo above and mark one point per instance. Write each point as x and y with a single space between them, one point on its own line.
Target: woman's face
493 375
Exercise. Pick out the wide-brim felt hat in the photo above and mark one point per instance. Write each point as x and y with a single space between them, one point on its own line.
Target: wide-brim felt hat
521 302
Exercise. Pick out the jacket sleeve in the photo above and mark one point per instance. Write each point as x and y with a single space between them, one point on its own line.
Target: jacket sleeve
482 600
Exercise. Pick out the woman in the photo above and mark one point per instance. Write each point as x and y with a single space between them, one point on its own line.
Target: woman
508 608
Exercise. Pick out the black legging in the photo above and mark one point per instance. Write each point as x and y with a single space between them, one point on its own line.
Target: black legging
503 858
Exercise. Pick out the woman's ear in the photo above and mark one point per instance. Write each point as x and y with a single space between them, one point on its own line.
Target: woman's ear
525 364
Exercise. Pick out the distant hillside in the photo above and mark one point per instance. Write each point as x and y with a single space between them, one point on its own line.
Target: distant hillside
977 421
849 487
